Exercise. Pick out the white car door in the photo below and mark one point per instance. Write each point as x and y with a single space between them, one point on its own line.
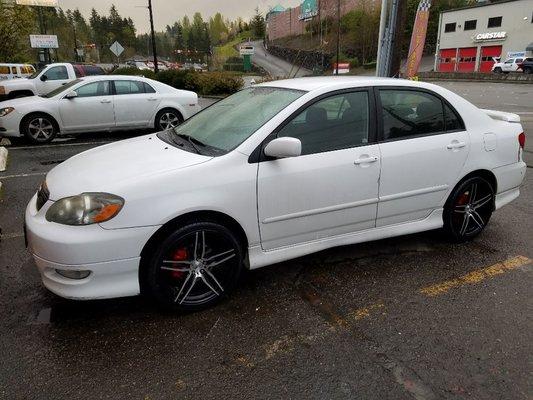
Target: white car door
53 78
135 103
423 146
332 188
91 110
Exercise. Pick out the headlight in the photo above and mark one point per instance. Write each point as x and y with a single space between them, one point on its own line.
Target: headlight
5 111
85 209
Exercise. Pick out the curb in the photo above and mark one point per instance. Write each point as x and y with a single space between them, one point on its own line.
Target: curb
3 158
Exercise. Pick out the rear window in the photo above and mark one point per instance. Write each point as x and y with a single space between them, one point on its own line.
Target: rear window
92 70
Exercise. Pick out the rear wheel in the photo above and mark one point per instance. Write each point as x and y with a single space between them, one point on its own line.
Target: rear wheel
469 208
498 70
195 267
528 70
167 118
39 128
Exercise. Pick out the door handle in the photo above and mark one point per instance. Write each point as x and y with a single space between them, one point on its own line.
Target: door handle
456 145
365 160
152 99
106 101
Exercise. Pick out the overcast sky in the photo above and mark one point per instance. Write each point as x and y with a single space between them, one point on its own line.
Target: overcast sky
166 12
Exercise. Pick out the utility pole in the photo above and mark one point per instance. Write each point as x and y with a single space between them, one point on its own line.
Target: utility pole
338 34
156 67
390 38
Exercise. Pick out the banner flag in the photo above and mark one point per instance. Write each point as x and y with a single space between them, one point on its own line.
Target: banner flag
418 38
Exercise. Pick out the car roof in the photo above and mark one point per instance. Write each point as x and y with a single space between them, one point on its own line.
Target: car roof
336 82
113 77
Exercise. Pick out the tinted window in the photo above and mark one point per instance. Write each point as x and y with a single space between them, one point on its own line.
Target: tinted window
453 121
470 25
449 27
337 122
148 88
409 113
57 73
494 22
129 87
4 70
92 70
94 89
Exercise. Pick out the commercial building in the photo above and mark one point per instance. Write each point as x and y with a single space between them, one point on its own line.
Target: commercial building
471 37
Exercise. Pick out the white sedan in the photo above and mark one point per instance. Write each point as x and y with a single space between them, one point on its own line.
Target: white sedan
273 172
97 103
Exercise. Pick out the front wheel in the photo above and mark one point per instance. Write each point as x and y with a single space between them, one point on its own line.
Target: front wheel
39 128
497 70
195 267
468 209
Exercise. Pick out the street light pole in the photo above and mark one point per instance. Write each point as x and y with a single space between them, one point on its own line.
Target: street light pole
338 34
156 67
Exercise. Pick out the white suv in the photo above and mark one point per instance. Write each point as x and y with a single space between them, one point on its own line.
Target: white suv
509 65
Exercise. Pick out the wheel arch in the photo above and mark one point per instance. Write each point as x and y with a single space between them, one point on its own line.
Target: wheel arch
164 107
190 217
482 173
54 119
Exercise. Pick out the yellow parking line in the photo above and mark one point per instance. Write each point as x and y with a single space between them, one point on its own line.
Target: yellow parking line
475 276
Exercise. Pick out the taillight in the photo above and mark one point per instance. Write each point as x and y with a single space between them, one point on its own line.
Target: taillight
522 140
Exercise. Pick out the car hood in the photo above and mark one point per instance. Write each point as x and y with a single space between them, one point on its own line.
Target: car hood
117 167
22 102
16 83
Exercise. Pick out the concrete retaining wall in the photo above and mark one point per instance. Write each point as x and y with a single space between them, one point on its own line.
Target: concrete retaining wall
476 76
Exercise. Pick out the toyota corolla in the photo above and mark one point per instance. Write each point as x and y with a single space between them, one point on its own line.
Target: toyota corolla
273 172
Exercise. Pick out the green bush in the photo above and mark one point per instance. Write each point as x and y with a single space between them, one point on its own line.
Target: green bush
213 83
134 71
370 65
173 77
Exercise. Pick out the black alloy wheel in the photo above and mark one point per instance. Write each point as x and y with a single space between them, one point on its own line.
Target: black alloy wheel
39 128
469 208
195 267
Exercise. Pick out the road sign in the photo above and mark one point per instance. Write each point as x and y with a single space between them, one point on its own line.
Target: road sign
246 50
343 68
116 48
44 41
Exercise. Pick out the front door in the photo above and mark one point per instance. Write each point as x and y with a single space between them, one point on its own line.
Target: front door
424 146
55 77
332 188
91 110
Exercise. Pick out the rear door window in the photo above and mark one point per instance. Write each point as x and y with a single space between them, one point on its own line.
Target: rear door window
129 87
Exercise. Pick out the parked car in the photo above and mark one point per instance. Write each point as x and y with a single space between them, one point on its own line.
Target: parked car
48 79
138 64
276 171
98 103
14 71
527 65
509 65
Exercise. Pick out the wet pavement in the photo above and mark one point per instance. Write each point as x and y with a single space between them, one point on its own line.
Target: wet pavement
409 317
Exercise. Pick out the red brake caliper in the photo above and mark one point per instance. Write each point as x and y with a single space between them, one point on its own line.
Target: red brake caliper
179 255
463 199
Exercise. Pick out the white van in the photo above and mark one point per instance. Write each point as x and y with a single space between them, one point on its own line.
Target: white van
12 71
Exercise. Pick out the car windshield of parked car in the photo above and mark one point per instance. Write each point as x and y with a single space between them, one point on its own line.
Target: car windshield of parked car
61 89
229 122
35 74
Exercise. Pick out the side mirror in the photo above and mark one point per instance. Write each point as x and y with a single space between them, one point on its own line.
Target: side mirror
71 95
284 147
44 78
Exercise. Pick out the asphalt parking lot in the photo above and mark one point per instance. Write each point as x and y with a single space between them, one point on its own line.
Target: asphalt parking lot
402 318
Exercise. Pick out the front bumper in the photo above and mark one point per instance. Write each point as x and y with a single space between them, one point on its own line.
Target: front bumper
111 256
10 125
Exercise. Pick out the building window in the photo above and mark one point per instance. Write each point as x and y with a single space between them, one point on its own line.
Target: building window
494 22
470 25
449 27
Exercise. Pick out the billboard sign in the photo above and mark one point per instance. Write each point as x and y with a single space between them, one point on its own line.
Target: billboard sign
418 38
39 3
246 50
309 9
44 42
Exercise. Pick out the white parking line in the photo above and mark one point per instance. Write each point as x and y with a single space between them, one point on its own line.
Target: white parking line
22 175
58 145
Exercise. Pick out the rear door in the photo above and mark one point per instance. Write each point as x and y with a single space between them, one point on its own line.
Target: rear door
424 146
91 110
135 103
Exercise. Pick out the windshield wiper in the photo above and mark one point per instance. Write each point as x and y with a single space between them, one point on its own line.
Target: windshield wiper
192 141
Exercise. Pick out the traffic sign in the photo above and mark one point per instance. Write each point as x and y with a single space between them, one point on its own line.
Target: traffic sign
116 48
246 50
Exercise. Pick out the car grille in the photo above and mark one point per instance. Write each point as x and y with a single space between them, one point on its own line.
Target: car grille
43 194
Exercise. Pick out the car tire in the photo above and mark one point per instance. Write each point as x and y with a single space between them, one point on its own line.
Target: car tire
528 70
468 209
167 118
498 70
194 267
39 128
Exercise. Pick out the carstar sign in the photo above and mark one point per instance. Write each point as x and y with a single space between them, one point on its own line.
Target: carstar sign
490 36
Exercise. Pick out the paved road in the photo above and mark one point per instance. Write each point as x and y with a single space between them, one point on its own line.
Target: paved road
403 318
275 66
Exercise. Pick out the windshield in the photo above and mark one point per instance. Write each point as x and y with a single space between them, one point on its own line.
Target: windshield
61 89
35 74
229 122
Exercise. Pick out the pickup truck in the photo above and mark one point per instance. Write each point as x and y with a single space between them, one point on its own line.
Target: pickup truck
44 81
527 65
